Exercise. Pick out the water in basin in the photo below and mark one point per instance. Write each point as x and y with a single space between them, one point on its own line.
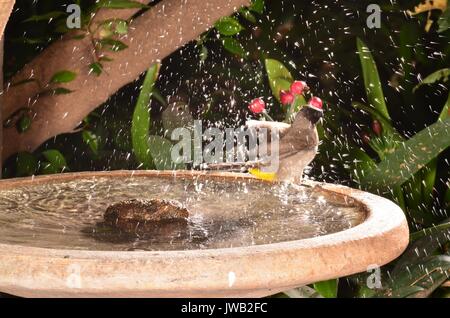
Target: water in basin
223 214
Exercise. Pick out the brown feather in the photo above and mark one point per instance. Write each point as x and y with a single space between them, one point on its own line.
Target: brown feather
301 136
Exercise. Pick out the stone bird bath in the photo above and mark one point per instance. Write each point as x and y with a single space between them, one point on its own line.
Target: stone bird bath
61 262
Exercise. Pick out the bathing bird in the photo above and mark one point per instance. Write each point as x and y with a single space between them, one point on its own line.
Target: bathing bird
298 145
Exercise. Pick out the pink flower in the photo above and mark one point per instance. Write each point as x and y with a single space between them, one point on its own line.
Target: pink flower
257 106
376 127
298 87
286 98
315 102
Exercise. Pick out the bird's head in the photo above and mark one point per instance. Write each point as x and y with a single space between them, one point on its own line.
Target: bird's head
313 111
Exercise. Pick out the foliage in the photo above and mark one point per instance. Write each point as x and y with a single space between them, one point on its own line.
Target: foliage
231 26
281 79
141 119
372 82
152 151
63 77
327 289
395 78
228 26
120 4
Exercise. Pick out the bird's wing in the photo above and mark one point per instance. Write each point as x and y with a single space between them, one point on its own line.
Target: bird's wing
282 128
232 165
298 138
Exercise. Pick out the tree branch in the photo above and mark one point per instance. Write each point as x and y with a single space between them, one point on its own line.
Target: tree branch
52 60
6 7
155 34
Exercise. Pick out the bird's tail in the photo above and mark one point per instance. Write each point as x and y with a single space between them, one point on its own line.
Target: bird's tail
232 166
252 167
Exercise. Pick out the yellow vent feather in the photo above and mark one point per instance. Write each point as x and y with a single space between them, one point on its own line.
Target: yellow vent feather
267 176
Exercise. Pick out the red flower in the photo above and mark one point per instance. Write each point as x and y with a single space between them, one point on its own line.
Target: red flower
315 102
298 87
376 127
286 98
257 106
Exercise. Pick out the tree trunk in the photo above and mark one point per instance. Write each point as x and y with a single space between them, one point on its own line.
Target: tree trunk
155 34
5 10
1 95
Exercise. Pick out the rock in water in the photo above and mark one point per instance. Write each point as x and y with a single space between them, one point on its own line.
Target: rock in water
153 215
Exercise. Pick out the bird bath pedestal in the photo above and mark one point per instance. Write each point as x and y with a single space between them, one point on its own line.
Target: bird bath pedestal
242 271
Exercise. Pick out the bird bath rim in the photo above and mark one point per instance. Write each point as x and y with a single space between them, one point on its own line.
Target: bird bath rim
380 238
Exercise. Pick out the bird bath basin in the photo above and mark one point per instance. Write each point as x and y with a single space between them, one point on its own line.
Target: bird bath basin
244 237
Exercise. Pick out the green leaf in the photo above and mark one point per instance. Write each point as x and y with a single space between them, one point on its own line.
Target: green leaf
110 26
203 53
429 174
161 150
121 27
105 31
228 26
61 91
429 273
418 268
63 77
140 124
24 124
429 231
384 145
55 160
105 58
25 81
91 140
13 118
120 4
399 196
113 45
444 20
176 115
233 46
257 6
363 164
445 113
410 156
423 245
279 77
385 123
372 81
247 15
44 17
327 289
30 41
48 168
96 68
298 103
402 292
441 75
157 96
26 164
79 36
